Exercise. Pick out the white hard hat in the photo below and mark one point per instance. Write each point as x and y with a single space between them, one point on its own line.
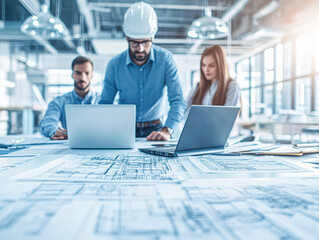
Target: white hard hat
140 21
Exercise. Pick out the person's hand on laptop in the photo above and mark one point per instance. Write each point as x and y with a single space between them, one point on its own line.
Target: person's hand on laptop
163 135
60 134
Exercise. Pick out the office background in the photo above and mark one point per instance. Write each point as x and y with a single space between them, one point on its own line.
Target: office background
50 191
272 49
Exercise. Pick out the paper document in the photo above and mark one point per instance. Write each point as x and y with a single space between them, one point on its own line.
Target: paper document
250 146
211 164
208 209
284 150
280 150
106 168
28 141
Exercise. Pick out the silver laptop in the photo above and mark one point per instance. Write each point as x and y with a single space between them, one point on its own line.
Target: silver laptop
101 126
206 130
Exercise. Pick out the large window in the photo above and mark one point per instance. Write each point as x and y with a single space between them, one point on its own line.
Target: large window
268 99
303 94
303 56
283 72
282 77
317 91
279 63
269 65
243 78
256 102
243 74
287 62
245 103
283 96
60 82
317 50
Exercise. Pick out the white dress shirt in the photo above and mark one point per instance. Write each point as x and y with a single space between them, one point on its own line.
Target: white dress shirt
232 95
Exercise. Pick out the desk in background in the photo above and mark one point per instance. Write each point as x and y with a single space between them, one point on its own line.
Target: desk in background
30 119
54 192
294 126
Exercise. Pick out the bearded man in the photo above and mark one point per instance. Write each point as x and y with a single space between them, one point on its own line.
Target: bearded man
53 124
140 75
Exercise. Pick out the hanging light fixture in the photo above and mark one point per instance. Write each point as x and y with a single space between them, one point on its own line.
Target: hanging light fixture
45 25
208 27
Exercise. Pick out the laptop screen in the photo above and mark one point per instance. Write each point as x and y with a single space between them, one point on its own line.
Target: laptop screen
207 127
101 126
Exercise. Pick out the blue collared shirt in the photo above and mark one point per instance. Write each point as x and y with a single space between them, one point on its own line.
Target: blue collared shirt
144 86
56 110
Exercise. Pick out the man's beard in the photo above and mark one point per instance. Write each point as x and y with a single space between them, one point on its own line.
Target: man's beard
139 58
81 88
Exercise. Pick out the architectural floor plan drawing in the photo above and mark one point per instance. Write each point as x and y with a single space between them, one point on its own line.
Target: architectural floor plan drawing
244 163
10 163
118 195
106 168
112 168
188 210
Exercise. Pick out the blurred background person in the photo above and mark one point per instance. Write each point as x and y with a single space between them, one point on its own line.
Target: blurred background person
215 87
82 73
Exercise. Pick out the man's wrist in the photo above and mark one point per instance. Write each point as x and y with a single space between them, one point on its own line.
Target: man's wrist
168 130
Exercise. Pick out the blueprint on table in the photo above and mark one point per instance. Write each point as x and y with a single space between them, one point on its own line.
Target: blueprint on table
224 209
244 163
106 168
10 163
125 196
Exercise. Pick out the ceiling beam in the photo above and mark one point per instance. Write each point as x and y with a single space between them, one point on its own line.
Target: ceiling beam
159 24
230 53
195 46
89 20
234 10
33 6
45 44
103 35
192 41
97 5
88 16
260 48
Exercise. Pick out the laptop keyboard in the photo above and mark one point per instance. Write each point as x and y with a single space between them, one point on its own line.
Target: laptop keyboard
162 151
165 149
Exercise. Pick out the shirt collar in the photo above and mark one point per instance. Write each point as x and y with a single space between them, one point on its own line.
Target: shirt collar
79 98
152 58
129 59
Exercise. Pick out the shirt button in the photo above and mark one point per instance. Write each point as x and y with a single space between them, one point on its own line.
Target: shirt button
141 69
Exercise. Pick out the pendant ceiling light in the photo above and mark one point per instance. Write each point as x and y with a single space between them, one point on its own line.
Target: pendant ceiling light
45 25
208 27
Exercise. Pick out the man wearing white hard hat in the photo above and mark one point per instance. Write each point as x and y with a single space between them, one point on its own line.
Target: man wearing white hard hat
140 75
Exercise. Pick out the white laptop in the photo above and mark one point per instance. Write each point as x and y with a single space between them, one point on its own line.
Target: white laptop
206 130
100 126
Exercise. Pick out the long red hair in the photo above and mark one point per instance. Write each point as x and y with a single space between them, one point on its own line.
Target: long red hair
223 77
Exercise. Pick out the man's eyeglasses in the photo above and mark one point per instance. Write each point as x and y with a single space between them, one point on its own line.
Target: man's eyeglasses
135 44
